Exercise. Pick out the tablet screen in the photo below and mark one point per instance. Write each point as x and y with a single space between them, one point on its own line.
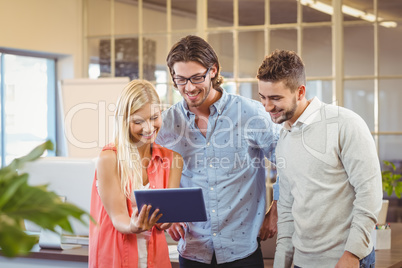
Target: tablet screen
176 204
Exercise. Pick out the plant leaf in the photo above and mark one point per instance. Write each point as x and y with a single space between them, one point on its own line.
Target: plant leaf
386 173
390 180
17 163
12 187
14 241
388 163
389 189
19 201
398 189
42 207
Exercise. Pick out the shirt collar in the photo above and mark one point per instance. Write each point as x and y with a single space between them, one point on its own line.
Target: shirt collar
217 106
157 153
308 117
220 104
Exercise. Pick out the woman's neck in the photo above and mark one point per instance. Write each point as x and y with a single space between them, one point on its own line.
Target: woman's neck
145 151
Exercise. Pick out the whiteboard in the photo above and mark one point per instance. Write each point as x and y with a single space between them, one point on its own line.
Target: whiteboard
88 107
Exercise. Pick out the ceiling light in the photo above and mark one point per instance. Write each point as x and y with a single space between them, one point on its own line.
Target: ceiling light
328 9
389 24
318 6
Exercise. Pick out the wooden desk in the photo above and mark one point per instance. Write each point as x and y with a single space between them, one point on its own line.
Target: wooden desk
40 258
385 258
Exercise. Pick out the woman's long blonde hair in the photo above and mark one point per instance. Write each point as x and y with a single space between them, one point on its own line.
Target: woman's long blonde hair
134 96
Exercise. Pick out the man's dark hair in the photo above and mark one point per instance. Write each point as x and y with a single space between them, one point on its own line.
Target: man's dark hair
283 65
194 48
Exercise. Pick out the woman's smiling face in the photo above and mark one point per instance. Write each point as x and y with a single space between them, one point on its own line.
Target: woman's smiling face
145 124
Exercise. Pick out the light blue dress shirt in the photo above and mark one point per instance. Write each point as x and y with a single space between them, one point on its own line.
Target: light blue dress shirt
228 164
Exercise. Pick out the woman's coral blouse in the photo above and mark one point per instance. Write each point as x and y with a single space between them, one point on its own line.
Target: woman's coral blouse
109 248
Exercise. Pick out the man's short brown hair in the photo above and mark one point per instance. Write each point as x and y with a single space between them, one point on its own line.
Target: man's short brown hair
285 66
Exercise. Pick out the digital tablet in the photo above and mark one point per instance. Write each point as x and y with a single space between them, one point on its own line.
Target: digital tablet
176 204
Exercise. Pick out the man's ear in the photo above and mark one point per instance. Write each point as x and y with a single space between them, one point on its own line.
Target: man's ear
213 71
301 92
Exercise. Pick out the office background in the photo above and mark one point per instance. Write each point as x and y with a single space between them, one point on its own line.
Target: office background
352 55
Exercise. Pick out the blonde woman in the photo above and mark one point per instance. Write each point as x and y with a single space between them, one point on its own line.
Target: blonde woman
124 236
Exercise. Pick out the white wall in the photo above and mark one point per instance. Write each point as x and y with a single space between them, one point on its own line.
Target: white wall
51 26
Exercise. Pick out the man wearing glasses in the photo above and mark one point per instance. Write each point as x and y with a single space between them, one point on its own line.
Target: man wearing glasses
224 140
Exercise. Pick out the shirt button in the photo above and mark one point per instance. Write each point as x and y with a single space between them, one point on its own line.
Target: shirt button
211 165
214 234
213 210
208 144
212 188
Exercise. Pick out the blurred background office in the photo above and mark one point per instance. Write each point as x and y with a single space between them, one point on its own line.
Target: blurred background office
351 48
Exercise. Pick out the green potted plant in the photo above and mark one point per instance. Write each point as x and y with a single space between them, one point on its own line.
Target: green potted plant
19 202
391 183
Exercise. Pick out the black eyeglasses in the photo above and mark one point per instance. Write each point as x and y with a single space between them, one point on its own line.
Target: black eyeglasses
196 79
